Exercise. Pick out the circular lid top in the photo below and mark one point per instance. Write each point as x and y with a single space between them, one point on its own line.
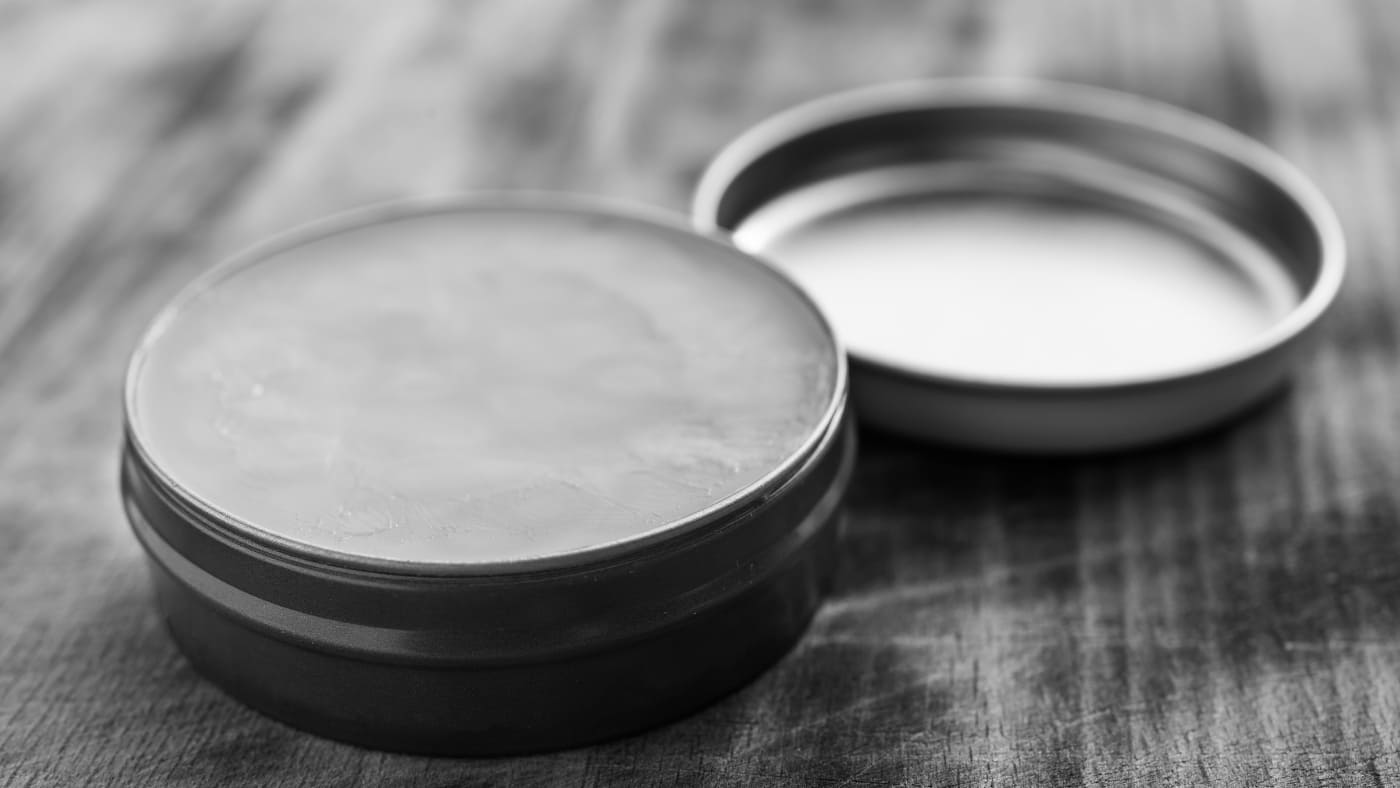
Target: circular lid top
522 382
1001 255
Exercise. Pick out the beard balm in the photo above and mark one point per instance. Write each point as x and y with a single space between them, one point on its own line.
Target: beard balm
487 477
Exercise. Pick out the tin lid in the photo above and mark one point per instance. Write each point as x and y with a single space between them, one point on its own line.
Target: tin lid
482 386
1034 267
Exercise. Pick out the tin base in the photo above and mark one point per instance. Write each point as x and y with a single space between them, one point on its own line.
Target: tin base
511 709
404 693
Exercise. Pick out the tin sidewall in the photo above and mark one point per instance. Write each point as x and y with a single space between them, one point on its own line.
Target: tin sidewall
411 700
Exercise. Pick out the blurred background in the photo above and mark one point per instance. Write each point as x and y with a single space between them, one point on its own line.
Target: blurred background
1222 610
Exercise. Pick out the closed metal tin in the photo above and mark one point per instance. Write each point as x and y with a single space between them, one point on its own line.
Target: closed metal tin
415 571
1035 267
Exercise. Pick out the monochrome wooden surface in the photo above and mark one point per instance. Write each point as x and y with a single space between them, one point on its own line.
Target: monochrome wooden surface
1224 610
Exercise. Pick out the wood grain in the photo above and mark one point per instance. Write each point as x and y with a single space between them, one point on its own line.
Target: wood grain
1221 611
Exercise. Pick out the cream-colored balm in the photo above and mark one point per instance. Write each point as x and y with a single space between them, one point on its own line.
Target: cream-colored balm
1023 289
487 386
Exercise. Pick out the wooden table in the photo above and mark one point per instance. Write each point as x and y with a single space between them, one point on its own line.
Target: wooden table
1225 610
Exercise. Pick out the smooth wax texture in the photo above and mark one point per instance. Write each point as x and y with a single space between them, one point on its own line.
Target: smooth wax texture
1020 288
490 386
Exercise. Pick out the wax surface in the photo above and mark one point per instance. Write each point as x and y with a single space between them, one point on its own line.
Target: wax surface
1022 289
479 387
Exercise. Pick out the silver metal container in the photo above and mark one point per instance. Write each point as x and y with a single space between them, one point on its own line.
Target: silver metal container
487 476
1033 267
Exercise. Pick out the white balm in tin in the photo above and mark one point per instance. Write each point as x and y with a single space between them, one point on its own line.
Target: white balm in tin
488 476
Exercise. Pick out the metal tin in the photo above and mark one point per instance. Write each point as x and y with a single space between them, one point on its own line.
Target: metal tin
343 536
1035 267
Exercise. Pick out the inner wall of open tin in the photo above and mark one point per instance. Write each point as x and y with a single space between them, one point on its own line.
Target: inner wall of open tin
1023 245
495 386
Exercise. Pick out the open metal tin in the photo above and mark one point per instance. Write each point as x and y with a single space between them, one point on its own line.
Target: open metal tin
487 476
1035 267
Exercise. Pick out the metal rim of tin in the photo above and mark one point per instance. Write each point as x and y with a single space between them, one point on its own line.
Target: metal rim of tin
742 178
375 214
499 658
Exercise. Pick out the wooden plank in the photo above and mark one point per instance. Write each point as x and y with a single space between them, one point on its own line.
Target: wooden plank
1218 611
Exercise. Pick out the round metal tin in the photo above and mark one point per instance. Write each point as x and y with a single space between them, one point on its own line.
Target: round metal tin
487 476
1035 267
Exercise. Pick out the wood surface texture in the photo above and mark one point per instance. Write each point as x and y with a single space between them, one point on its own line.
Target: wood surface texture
1224 610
